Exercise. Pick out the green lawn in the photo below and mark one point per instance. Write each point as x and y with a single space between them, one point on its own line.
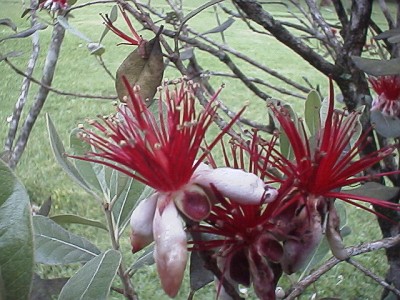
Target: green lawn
79 72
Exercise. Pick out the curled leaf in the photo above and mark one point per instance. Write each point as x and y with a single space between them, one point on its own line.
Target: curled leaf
143 67
333 236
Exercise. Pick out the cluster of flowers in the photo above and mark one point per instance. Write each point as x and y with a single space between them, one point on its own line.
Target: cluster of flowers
53 5
258 231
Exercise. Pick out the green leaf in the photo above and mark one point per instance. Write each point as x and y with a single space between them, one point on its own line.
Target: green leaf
94 279
25 33
59 153
45 208
8 22
320 252
74 219
146 259
311 112
86 169
199 275
113 17
46 289
323 112
63 21
323 248
56 246
375 190
284 144
3 57
72 2
357 129
16 237
388 34
386 126
198 10
394 39
378 67
220 28
126 202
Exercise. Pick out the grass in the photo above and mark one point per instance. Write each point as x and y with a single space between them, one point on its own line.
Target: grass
78 71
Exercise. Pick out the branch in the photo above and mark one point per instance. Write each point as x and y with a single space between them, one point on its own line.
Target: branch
56 91
300 286
379 280
256 80
26 82
220 55
195 43
88 4
255 12
341 13
387 14
48 73
320 21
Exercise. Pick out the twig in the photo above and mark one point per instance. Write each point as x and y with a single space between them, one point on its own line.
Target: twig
257 80
56 91
240 55
326 29
88 4
379 280
101 62
297 289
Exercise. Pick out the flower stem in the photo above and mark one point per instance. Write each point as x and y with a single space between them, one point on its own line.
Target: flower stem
129 291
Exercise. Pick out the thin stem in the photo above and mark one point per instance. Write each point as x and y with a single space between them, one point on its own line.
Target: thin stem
56 91
379 280
297 289
129 291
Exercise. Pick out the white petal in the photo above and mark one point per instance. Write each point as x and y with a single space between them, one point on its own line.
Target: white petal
170 252
201 167
238 185
142 223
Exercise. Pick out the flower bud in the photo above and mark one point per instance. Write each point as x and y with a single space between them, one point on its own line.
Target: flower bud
142 223
170 251
237 185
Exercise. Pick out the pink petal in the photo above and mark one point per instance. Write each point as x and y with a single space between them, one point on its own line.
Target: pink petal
265 275
170 252
302 242
237 185
223 265
193 202
142 223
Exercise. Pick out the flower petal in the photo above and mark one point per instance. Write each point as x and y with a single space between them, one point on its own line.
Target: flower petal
303 240
170 252
237 185
142 223
193 202
264 274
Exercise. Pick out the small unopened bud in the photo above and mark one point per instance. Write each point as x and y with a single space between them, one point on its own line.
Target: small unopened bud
279 293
